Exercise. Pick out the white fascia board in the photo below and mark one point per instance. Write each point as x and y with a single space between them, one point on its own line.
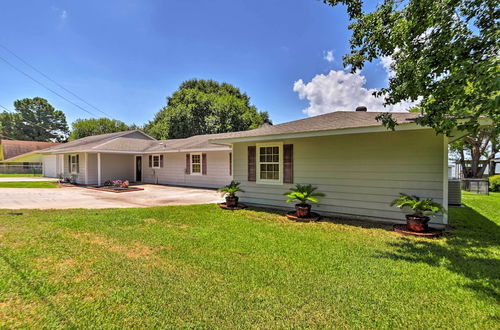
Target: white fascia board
139 152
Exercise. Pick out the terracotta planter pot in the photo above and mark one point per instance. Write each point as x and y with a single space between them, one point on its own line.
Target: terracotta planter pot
302 210
417 223
232 201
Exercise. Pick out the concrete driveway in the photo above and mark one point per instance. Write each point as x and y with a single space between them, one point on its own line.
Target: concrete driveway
77 197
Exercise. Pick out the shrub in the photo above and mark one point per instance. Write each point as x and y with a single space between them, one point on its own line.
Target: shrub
420 207
303 194
494 183
231 189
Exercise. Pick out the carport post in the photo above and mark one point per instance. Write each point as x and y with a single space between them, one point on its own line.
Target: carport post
86 155
99 169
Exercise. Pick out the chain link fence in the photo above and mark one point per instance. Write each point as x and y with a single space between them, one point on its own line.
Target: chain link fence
30 168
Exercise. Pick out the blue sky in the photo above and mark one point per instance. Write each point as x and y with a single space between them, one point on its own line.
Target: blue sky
126 57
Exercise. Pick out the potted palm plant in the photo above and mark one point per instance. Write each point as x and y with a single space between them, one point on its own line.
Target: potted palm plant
421 210
303 194
229 192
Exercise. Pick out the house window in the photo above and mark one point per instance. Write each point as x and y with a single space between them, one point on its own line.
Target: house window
270 163
74 160
195 163
156 161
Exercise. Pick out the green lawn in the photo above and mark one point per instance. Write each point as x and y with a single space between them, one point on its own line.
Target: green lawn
29 184
17 175
199 266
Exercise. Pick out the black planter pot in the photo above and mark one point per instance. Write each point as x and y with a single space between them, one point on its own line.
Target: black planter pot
232 201
417 223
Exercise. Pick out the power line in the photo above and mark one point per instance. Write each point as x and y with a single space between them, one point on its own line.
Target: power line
53 81
51 90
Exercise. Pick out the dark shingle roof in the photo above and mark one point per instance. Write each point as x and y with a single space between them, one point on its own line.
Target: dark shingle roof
330 121
121 142
90 142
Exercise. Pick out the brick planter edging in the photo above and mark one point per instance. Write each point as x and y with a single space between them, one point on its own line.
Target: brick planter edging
115 190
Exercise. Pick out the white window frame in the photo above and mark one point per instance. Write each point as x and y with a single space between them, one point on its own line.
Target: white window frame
257 154
191 163
153 161
75 164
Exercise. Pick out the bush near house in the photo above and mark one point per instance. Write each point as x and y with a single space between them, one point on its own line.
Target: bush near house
494 183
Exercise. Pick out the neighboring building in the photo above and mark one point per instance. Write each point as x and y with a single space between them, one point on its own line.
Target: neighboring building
137 157
359 164
21 156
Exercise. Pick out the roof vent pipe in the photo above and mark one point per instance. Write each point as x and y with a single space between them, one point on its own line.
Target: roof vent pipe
361 108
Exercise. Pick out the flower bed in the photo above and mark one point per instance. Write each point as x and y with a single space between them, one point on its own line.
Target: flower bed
116 186
116 189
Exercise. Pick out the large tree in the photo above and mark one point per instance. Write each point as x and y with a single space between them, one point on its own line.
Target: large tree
475 152
444 53
34 120
95 126
205 107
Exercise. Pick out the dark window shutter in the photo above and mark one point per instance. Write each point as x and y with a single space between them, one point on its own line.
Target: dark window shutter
161 160
77 163
230 163
252 173
204 164
150 161
69 163
288 163
188 164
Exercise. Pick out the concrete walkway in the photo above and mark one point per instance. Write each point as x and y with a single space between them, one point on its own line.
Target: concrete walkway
77 197
25 178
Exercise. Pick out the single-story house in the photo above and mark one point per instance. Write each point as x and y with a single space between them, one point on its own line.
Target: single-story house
359 164
137 157
22 156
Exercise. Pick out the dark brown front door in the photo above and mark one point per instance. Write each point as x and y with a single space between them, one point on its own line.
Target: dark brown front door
138 168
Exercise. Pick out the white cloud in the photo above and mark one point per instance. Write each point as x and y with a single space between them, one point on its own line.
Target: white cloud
328 56
341 91
64 14
387 62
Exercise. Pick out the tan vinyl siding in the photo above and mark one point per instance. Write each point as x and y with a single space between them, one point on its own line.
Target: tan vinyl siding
80 179
137 135
174 171
92 168
117 166
360 174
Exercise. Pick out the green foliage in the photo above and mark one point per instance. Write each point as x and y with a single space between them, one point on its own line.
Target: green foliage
29 184
88 127
231 189
303 194
445 55
494 183
205 107
419 206
34 120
